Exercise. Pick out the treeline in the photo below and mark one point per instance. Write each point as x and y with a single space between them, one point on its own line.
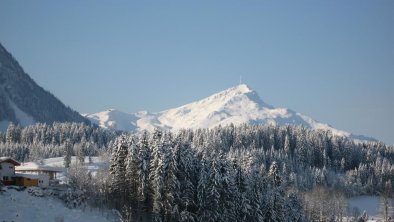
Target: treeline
41 141
245 173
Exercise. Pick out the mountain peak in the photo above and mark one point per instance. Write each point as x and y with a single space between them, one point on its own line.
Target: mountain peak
236 105
234 91
242 89
238 93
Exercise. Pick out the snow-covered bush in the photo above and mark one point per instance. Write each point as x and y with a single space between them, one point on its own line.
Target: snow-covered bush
36 191
79 177
1 188
73 198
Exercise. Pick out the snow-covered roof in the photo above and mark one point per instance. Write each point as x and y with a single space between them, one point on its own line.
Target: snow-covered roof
30 176
33 166
9 160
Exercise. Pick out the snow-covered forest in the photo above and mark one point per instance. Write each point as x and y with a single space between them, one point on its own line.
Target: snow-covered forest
245 173
42 140
233 173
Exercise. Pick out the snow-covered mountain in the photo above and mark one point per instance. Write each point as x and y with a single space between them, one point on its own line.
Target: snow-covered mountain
237 105
24 102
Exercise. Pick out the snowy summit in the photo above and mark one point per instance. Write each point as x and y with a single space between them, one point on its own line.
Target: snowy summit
236 105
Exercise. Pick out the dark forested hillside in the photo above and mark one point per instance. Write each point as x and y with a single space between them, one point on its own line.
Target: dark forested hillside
24 102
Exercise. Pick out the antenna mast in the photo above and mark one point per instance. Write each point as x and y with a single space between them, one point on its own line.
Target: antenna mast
240 79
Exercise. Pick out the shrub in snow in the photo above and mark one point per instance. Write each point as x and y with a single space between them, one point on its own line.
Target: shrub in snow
1 187
36 191
363 217
73 198
78 176
59 218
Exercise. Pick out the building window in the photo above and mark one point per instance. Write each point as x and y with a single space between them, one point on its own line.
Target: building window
11 167
5 178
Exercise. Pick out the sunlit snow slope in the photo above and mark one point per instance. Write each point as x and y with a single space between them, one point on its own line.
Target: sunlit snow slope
237 105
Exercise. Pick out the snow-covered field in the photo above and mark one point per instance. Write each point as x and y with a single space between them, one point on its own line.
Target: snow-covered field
368 203
20 206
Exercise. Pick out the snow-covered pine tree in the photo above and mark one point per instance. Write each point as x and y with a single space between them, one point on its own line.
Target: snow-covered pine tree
293 208
13 133
242 205
206 205
158 170
188 178
119 186
132 178
172 188
79 151
144 156
274 174
255 195
67 153
223 183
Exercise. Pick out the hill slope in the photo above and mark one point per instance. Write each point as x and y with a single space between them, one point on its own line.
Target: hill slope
236 105
24 102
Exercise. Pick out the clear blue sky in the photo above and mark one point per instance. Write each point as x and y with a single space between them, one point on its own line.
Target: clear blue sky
331 60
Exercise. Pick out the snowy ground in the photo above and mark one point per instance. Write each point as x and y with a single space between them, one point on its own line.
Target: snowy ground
20 206
368 203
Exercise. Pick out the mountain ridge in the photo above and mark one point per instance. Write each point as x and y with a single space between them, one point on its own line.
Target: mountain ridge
236 105
24 102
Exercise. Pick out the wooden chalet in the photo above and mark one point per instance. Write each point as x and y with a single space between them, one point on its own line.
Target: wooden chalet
7 170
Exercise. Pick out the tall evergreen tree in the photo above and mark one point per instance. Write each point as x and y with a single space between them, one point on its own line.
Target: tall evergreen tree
67 154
